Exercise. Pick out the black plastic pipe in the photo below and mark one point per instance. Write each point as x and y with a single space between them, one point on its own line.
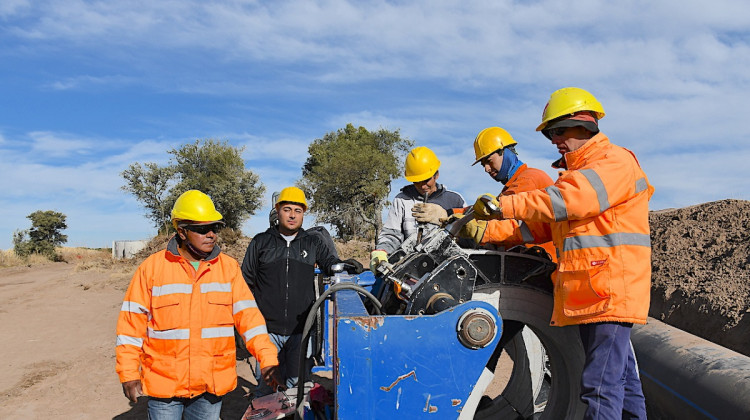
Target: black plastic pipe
686 377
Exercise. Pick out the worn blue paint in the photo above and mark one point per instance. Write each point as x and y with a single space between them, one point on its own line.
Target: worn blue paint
402 366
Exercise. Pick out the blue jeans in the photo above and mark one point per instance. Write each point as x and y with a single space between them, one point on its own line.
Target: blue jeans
203 407
610 383
288 347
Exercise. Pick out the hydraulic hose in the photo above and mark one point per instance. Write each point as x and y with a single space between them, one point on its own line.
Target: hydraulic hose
310 320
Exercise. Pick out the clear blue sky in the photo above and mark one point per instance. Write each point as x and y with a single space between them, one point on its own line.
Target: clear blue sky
87 88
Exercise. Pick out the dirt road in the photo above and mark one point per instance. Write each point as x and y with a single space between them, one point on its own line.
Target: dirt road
58 358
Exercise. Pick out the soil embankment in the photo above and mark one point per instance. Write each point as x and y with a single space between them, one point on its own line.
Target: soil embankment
701 271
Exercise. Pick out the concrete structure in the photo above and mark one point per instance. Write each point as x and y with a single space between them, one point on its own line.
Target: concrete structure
127 249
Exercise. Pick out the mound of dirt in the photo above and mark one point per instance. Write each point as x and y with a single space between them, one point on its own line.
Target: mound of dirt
701 271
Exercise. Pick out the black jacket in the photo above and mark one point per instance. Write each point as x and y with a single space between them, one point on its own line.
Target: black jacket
281 276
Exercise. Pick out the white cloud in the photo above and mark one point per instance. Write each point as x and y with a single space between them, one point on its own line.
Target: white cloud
672 77
13 7
50 144
57 166
358 41
86 82
291 151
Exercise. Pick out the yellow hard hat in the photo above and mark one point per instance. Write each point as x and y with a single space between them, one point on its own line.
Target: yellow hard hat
292 195
489 141
196 206
421 164
567 101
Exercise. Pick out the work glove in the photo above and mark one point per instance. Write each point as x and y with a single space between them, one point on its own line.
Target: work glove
353 266
429 213
376 257
474 230
450 219
483 207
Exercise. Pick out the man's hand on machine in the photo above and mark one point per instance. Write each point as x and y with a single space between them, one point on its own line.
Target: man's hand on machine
473 230
487 207
450 219
429 213
376 257
353 266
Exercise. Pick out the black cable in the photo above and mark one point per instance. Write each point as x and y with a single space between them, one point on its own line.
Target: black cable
308 326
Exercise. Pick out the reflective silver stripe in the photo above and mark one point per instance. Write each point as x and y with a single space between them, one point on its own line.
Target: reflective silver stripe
126 339
216 287
169 334
641 185
601 192
128 306
558 204
606 241
525 232
242 305
169 289
217 332
252 332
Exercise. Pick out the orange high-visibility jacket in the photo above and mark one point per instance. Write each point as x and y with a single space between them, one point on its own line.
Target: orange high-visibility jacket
175 331
598 214
513 232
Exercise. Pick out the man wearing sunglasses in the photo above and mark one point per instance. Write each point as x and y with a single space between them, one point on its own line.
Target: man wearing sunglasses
279 267
175 332
598 216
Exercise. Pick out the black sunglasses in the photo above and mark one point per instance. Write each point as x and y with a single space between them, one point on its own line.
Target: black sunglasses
559 131
204 229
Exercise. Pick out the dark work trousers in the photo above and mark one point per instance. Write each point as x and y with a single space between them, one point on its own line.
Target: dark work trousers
610 383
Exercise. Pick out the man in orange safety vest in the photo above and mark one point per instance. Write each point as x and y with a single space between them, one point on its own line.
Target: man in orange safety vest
175 332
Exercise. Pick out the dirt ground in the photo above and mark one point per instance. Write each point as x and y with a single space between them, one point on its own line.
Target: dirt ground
701 271
58 329
57 320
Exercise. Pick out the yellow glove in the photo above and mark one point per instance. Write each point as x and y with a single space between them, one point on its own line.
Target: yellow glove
428 213
376 257
450 219
487 207
474 230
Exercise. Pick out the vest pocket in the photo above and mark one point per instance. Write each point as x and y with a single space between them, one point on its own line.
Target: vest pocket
159 374
166 312
223 373
585 285
219 309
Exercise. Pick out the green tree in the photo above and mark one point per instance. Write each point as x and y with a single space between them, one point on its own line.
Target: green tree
45 234
217 169
214 167
347 178
150 185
